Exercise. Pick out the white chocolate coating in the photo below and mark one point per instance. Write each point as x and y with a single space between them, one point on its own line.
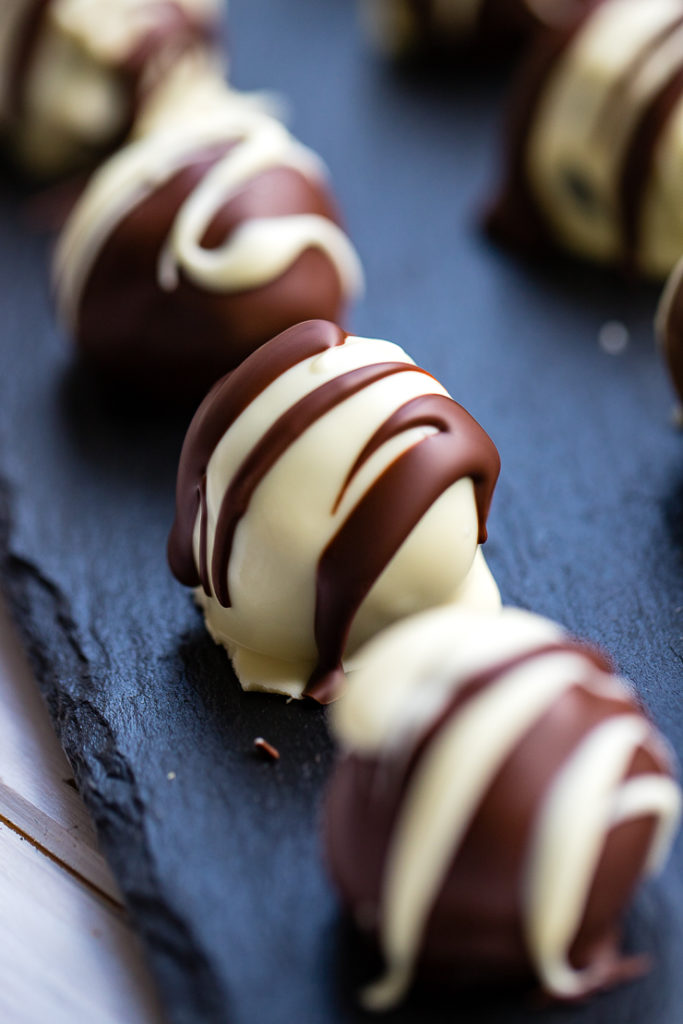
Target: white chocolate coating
291 519
407 676
75 97
258 251
584 124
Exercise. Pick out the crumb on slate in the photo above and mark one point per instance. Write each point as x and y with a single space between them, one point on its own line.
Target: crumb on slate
170 776
266 748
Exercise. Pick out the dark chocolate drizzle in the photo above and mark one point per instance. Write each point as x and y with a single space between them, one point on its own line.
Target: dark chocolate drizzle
272 445
382 519
219 410
475 685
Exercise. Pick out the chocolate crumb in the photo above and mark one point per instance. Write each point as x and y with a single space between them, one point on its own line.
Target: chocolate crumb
267 748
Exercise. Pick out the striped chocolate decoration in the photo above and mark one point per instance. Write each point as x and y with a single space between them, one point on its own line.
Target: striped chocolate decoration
453 446
499 795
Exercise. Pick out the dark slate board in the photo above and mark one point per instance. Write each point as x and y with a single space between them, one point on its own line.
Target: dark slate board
221 866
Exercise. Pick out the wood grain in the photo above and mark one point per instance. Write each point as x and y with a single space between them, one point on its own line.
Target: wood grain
68 952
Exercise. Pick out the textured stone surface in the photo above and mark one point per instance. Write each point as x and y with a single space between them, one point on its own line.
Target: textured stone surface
220 864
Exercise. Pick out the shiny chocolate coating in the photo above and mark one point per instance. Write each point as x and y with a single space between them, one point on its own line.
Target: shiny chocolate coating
163 307
319 465
572 803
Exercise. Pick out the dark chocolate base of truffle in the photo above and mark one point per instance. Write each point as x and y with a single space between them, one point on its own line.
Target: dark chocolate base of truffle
170 350
474 933
173 344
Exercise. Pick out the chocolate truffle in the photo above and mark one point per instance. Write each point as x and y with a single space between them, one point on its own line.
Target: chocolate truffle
595 160
195 244
73 71
327 487
499 794
404 28
669 326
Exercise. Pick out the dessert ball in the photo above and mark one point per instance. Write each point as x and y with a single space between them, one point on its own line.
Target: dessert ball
595 161
404 28
73 71
499 794
669 327
195 244
327 487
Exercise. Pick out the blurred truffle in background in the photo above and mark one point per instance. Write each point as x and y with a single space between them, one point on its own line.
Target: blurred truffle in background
407 29
669 330
73 72
595 150
197 242
498 796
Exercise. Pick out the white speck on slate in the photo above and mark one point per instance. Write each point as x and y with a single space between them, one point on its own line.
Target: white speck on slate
613 338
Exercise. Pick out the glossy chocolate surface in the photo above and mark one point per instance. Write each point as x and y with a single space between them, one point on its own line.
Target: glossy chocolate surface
384 516
474 934
174 345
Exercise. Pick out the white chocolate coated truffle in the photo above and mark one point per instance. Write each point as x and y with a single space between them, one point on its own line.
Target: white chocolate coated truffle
347 491
603 153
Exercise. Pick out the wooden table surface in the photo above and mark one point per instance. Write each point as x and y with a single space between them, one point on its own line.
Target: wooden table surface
67 951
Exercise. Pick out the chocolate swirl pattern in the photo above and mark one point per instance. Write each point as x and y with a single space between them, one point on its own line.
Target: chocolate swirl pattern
221 232
72 72
500 795
593 163
326 487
